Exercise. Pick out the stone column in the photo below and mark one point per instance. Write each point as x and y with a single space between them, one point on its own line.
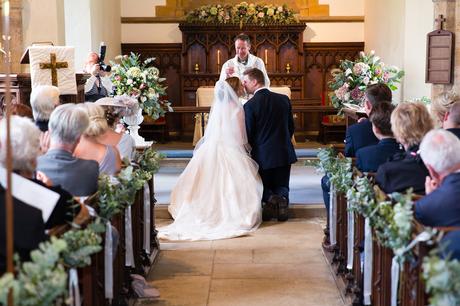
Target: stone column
450 9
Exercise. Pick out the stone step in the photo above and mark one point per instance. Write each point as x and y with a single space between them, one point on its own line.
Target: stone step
300 211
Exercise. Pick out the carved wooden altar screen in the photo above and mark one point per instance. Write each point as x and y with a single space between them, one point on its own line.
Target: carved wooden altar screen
206 47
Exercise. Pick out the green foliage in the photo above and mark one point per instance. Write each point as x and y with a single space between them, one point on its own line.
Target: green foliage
81 244
242 13
149 160
442 280
136 79
393 220
42 281
362 197
326 160
341 175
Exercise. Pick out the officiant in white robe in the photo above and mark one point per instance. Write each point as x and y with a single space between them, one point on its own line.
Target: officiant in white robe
242 61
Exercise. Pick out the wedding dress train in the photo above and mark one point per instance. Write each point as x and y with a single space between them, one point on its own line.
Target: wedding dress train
219 193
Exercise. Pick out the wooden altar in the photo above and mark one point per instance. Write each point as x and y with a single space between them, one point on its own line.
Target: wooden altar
20 88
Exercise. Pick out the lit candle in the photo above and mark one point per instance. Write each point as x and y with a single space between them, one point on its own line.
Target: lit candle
266 56
218 57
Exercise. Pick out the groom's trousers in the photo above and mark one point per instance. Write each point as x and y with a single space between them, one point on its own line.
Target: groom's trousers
276 181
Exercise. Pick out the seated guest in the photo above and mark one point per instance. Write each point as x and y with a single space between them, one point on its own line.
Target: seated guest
25 143
451 120
90 146
43 100
360 134
451 245
77 176
114 110
410 121
440 207
29 229
369 158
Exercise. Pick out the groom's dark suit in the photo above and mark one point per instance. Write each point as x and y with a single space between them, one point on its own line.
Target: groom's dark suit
270 126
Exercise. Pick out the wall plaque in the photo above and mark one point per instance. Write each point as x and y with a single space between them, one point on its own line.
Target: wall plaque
439 55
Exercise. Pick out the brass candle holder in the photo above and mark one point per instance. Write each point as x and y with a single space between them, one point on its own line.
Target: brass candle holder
197 68
288 68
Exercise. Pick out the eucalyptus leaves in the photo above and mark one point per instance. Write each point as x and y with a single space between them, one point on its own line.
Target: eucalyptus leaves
442 280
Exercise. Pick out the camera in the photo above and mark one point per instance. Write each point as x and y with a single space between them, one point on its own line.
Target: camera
103 66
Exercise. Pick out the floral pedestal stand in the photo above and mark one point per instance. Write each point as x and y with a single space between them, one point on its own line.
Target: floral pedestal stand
133 122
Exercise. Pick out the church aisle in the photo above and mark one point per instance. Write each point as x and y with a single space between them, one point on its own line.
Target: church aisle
280 264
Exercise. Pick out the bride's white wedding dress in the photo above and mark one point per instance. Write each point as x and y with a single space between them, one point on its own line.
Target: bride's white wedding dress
219 193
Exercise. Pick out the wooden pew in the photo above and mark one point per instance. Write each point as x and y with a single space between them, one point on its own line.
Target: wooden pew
356 280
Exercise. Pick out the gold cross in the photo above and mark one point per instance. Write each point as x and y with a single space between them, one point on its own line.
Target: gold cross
54 66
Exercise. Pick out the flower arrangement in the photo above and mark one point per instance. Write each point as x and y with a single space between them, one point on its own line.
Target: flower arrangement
392 222
362 197
242 13
351 79
138 80
442 280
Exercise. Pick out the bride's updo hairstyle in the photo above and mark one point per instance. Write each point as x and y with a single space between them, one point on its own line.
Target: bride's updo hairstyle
234 83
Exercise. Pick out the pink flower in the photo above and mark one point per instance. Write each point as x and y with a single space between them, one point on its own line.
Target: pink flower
117 77
142 86
341 93
356 93
386 76
261 15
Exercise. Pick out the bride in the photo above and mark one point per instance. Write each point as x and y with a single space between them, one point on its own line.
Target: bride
219 193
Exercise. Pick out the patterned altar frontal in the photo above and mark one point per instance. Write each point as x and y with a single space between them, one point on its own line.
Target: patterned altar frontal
53 65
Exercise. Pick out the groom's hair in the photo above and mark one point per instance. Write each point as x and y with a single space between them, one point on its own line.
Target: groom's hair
255 74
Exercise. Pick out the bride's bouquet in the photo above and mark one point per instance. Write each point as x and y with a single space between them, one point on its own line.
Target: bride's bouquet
351 79
139 80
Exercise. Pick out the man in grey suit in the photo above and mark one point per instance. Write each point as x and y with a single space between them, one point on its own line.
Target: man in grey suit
77 176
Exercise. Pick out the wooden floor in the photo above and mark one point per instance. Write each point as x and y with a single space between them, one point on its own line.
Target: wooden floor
280 264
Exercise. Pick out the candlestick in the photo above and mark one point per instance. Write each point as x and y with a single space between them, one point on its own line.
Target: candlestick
266 57
218 57
197 68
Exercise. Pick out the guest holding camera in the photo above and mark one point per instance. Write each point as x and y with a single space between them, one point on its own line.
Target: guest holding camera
99 84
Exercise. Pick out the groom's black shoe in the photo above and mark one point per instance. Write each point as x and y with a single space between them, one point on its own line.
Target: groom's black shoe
269 210
282 204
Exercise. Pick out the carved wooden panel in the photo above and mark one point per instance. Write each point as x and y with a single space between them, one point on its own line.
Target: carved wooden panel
310 69
440 57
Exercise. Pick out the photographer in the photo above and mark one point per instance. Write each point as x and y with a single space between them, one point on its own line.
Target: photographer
99 84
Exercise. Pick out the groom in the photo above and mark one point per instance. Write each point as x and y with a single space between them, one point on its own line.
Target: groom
270 126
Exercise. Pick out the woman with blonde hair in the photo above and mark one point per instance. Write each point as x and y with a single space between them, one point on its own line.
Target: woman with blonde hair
114 109
90 146
410 121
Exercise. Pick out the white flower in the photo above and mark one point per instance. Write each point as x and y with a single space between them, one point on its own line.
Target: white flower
366 80
362 54
134 72
143 98
348 72
372 52
129 81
